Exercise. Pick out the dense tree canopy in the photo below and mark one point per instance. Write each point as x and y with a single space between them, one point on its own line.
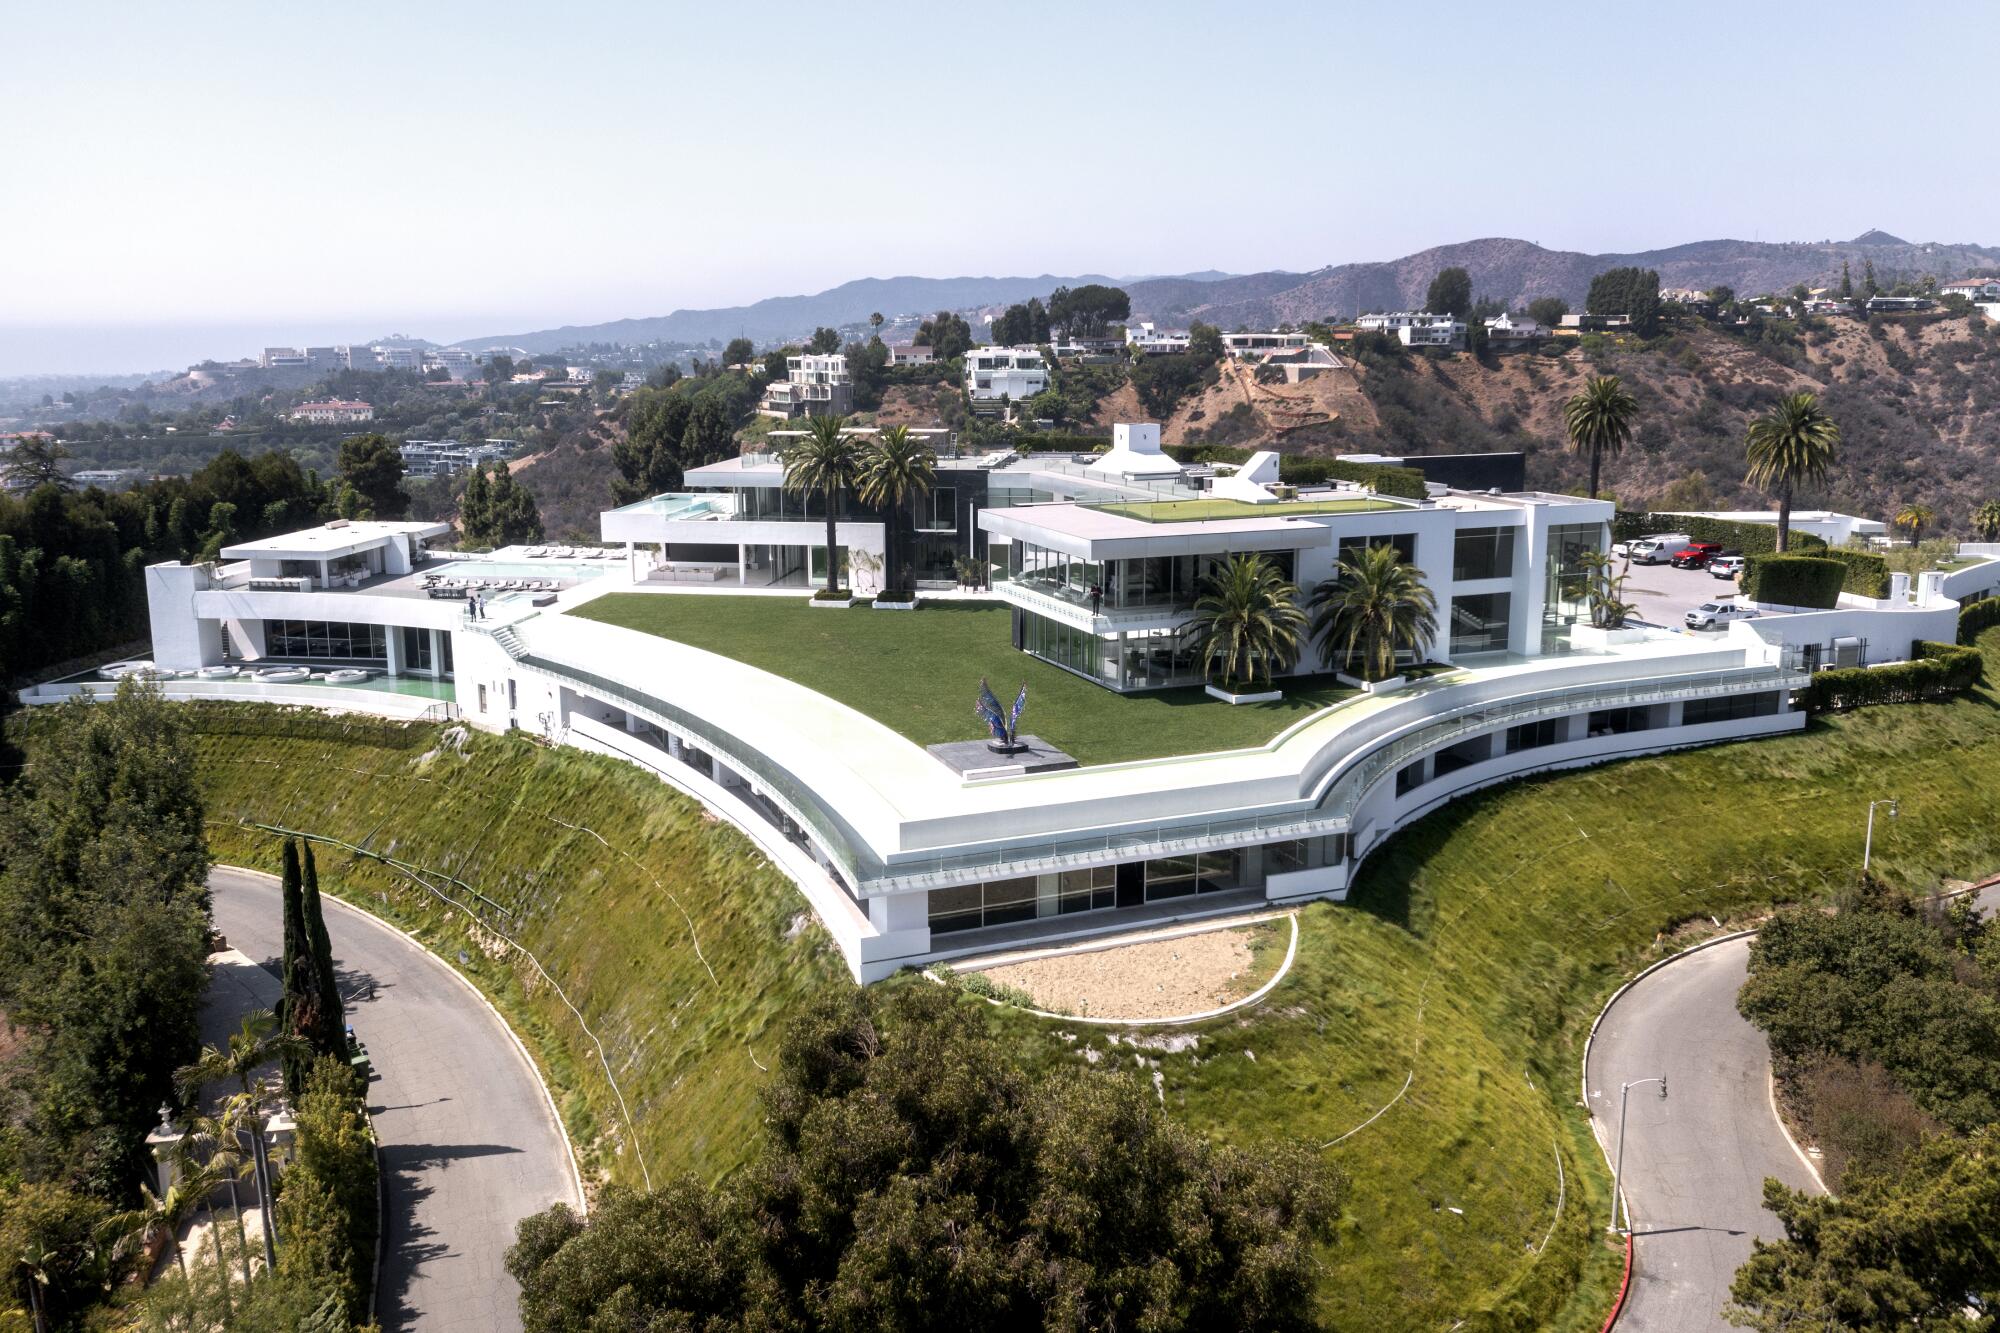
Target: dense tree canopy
914 1177
739 352
373 466
1916 1248
1022 324
1450 293
1627 291
824 340
497 511
1088 310
946 334
103 931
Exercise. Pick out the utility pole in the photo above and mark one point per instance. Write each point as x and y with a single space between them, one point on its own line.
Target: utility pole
1868 846
1618 1169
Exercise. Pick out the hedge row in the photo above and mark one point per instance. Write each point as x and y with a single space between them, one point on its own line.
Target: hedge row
1975 618
1055 442
1935 671
1794 580
1867 573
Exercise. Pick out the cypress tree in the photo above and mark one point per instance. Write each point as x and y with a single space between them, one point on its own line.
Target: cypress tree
300 997
334 1033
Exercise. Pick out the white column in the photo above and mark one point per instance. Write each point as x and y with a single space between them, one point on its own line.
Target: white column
742 565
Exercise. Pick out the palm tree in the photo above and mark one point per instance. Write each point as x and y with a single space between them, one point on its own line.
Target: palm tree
1599 421
896 469
1373 606
824 462
252 1048
1794 443
1986 521
1247 622
1915 516
167 1212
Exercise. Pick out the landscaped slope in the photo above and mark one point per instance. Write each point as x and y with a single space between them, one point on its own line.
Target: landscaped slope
1480 943
683 948
919 674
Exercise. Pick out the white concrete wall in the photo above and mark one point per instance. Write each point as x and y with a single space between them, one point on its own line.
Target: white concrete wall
182 640
1889 629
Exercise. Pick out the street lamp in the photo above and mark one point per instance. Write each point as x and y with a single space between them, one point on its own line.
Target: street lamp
1868 847
1618 1169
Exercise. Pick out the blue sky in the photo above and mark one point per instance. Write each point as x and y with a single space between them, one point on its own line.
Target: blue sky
185 174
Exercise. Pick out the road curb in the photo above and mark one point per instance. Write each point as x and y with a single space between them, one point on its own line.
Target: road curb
1624 1286
520 1047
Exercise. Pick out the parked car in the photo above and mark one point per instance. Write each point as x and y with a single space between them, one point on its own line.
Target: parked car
1726 566
1715 615
1654 550
1696 555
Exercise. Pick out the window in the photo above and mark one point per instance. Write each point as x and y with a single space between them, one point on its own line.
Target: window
1351 548
1533 735
1410 777
1619 721
1022 898
482 698
1729 708
1280 857
1089 890
416 649
1183 876
1479 624
326 640
1483 553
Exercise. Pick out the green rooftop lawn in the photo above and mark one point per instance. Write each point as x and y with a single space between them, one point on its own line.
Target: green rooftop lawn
1195 511
918 673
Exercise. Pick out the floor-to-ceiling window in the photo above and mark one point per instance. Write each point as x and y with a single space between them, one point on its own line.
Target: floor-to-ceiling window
1483 553
326 640
1566 587
1479 623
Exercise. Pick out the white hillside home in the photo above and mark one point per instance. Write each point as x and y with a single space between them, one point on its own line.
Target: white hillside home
1013 373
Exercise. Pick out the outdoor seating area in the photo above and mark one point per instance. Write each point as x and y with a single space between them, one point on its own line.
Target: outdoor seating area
448 586
569 553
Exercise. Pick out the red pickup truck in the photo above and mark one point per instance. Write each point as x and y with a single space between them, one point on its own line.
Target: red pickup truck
1697 556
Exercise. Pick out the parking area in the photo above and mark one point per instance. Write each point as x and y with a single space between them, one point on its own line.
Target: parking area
1664 595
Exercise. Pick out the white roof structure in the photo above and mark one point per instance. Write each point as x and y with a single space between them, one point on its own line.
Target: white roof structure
331 540
1136 452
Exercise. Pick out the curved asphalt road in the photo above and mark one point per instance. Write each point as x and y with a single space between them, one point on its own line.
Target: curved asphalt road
469 1144
1695 1163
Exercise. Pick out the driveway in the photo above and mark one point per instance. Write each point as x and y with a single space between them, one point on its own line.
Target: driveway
469 1144
1695 1163
1664 595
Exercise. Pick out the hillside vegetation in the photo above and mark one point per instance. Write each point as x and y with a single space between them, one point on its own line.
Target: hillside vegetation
1454 991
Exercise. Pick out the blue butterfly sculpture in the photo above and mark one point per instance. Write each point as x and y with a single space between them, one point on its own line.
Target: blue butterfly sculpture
1003 724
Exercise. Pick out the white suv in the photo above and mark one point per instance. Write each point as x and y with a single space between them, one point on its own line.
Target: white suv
1725 566
1715 615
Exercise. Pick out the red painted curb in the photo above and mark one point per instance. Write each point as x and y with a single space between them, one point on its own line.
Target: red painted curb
1624 1285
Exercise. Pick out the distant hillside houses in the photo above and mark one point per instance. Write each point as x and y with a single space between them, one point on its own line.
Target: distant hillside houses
1145 338
1513 327
1973 289
815 385
909 354
331 411
444 458
1417 328
1261 344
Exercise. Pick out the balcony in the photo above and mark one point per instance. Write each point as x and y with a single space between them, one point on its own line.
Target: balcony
1070 605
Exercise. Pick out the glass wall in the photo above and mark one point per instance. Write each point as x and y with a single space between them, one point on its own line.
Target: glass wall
1351 548
1566 590
1077 649
1185 876
1023 898
1154 583
1479 624
1483 553
326 640
416 649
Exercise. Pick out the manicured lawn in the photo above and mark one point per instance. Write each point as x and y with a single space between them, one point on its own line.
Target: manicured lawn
919 672
1479 945
1193 511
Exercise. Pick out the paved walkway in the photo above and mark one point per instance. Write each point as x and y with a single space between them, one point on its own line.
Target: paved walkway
469 1145
1695 1163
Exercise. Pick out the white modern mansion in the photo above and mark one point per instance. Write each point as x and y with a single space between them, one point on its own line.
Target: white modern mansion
993 373
910 853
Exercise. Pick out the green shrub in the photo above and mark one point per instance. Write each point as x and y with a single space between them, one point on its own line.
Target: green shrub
1794 580
1056 442
1936 671
1867 572
327 1197
1975 618
1749 538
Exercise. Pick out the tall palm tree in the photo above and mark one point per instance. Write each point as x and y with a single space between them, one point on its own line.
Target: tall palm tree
824 462
896 469
1247 622
1986 521
1792 444
1599 421
1374 605
166 1213
1916 516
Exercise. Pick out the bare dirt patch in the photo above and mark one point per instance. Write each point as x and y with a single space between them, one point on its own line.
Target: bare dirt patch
1156 978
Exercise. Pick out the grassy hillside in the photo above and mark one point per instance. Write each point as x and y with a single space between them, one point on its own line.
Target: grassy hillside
1454 991
678 941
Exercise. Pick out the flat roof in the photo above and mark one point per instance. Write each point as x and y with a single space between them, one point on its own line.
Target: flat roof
324 542
1204 511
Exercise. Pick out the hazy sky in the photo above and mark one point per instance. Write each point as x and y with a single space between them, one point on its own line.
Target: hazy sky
201 179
